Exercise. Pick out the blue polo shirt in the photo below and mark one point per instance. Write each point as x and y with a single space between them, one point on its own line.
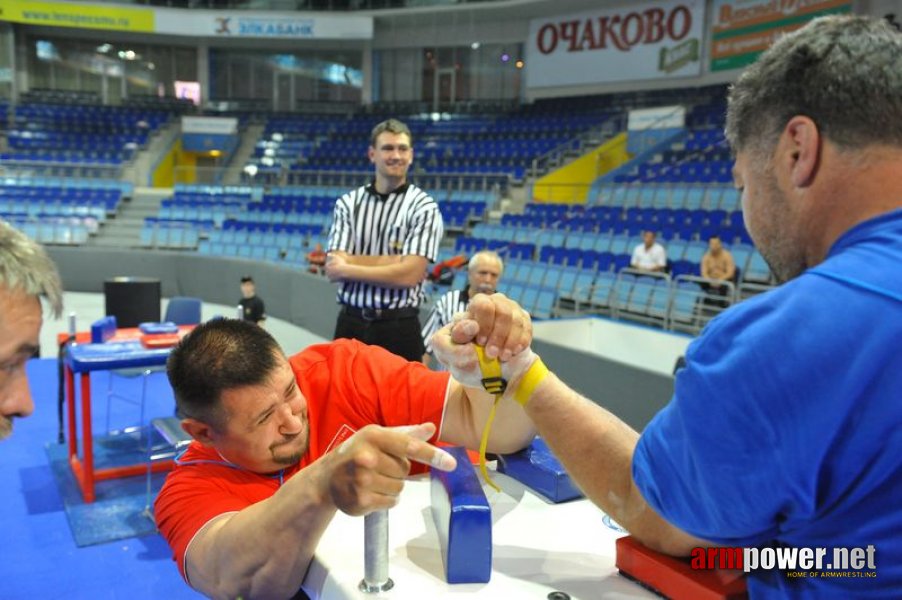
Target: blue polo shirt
785 428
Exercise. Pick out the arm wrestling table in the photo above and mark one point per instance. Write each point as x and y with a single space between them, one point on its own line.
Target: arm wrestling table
123 351
539 548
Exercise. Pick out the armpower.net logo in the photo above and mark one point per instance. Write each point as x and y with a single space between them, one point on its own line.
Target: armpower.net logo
794 562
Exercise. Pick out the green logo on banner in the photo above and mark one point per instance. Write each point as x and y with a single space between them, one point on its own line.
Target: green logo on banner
671 59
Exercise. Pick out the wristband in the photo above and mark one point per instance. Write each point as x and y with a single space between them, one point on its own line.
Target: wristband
534 375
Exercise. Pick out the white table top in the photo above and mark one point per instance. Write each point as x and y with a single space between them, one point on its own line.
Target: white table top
538 548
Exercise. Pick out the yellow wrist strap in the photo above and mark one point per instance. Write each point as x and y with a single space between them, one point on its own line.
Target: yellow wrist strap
534 375
495 384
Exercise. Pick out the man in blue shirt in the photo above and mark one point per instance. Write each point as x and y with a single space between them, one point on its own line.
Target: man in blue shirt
785 429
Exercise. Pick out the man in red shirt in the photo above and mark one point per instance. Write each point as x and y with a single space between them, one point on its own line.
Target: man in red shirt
282 443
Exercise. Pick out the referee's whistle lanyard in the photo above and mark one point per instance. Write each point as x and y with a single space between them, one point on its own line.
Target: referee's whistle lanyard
225 463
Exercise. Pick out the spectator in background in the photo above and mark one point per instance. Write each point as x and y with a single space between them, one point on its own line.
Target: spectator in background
316 259
483 273
26 275
252 307
649 255
717 265
383 237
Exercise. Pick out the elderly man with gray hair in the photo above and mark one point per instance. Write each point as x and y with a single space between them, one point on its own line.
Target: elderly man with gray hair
483 273
26 275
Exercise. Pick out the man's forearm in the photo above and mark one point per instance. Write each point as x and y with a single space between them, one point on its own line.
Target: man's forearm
597 449
399 275
466 416
264 550
366 260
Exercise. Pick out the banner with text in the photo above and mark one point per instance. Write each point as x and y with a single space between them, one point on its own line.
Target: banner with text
69 14
743 29
647 40
246 24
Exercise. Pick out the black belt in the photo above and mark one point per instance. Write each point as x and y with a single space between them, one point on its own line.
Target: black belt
380 314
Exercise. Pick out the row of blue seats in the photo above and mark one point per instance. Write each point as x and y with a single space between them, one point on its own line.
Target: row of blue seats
67 185
606 215
469 207
281 239
517 171
59 192
200 225
729 232
100 206
277 219
53 230
200 201
474 149
317 204
233 199
53 209
667 196
100 158
217 215
233 225
306 191
89 112
614 254
709 163
686 173
175 237
568 239
216 190
596 225
295 257
65 136
669 303
678 155
426 181
100 149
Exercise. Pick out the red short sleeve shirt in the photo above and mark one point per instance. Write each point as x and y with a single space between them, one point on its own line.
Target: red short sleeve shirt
347 385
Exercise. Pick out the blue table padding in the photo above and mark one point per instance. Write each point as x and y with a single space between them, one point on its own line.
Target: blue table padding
154 328
103 329
537 468
116 355
463 518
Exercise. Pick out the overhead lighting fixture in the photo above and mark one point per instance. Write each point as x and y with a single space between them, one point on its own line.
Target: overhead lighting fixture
475 45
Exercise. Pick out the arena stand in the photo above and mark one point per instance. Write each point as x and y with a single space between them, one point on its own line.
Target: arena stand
562 259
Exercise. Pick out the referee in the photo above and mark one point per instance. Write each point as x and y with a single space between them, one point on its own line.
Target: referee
483 273
383 237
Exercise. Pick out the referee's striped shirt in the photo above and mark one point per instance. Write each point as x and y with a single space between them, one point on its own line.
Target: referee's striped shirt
443 313
406 221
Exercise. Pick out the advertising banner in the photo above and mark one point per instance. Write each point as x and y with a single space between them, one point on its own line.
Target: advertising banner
68 14
645 40
246 24
743 29
192 23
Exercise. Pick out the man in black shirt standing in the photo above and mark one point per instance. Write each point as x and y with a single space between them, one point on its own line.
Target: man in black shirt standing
384 235
252 308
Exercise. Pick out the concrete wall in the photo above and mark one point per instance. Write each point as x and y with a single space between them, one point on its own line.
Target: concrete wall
633 393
